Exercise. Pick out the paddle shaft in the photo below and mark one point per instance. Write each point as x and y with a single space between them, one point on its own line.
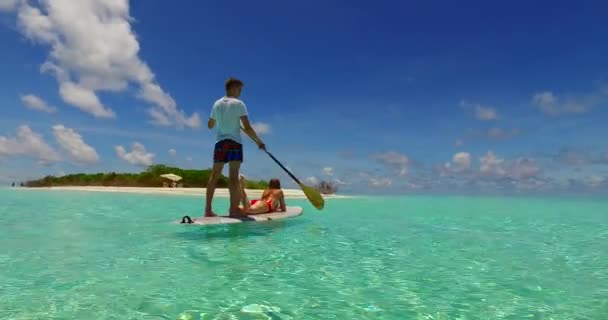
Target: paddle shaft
277 161
289 173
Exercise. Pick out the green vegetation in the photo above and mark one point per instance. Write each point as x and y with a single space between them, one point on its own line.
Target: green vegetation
326 187
148 178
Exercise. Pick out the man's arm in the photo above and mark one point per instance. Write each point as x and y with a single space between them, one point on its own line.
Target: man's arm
250 132
212 116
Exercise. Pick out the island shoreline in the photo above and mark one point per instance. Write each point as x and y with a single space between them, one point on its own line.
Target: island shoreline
219 192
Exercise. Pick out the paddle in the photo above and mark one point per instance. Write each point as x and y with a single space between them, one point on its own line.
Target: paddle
312 194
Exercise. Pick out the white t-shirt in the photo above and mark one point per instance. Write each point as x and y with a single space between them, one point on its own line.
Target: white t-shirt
227 113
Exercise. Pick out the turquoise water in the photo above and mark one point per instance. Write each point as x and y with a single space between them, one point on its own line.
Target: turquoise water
79 255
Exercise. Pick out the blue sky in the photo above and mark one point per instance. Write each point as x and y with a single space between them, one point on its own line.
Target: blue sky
390 97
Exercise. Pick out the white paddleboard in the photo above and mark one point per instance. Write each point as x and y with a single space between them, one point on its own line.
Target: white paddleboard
277 215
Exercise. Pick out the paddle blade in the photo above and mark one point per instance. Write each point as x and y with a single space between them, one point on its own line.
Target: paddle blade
313 196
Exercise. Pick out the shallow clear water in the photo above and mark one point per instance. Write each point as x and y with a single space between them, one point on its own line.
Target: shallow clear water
81 255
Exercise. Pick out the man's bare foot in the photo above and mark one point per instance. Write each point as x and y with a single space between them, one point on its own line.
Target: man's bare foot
239 214
209 214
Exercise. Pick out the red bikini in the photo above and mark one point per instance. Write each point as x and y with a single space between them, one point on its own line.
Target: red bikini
269 203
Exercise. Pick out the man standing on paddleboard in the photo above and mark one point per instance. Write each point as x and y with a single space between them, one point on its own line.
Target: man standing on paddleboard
227 114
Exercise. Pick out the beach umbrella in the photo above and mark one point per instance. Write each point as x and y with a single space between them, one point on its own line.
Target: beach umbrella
171 176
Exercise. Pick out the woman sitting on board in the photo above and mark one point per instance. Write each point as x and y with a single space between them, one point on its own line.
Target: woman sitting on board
272 198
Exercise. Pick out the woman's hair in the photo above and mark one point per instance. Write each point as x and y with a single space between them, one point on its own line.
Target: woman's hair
274 183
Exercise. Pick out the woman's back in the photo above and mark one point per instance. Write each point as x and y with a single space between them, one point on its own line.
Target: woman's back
272 194
276 197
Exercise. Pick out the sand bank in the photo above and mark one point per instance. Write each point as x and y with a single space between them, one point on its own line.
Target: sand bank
219 192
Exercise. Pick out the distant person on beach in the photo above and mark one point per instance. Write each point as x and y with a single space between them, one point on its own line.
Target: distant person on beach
227 114
272 199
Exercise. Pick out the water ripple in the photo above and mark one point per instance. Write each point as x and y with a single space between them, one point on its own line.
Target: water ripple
118 256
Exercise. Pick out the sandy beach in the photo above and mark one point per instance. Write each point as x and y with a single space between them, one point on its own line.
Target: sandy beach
219 192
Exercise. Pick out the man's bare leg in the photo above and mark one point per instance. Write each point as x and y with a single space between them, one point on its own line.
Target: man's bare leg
259 207
244 199
234 188
215 175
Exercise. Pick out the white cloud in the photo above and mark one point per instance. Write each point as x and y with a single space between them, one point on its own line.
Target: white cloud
529 184
380 182
329 171
172 152
36 103
261 128
491 165
72 142
93 48
461 161
481 112
158 136
604 89
395 160
500 133
596 181
458 143
414 186
166 113
340 182
8 5
189 159
520 169
494 133
137 156
312 180
580 156
524 168
552 105
84 99
485 113
28 143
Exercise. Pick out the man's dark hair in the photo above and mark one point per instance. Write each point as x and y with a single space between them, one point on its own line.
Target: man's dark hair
233 82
